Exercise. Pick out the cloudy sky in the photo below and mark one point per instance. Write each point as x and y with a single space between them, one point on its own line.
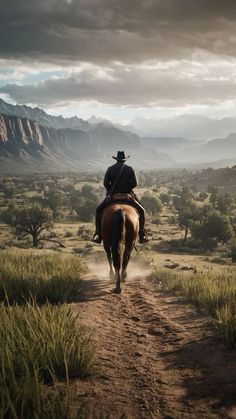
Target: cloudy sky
120 59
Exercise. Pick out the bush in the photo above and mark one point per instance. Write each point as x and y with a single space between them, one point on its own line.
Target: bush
86 209
55 200
43 277
165 198
224 203
186 215
84 202
151 203
211 229
183 199
233 251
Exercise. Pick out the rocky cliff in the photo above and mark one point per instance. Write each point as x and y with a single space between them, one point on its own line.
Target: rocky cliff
26 144
42 117
17 134
35 146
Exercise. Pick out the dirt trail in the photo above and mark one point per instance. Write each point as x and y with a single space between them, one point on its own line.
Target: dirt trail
158 357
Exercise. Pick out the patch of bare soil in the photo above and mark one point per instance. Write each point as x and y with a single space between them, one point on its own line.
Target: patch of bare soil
158 357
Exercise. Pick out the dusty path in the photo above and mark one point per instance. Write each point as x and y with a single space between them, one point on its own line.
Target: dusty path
158 357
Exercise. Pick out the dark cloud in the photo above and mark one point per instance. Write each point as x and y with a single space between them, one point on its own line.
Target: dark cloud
183 84
122 30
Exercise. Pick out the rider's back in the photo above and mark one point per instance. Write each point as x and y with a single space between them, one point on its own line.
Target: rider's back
127 180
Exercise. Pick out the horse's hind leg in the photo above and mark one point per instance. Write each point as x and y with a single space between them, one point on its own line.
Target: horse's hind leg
124 266
111 273
117 289
117 267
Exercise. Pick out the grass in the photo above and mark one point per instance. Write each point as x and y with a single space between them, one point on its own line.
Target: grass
41 345
215 293
39 276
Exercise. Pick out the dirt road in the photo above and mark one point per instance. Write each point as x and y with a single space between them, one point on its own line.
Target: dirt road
158 357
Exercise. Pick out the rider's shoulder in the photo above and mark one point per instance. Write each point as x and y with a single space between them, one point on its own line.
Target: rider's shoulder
111 167
115 165
129 167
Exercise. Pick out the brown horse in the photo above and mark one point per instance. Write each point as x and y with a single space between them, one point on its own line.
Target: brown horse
120 226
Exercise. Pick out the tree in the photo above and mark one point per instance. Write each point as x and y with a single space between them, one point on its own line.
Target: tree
233 251
211 229
165 198
85 209
202 196
55 200
28 221
87 191
186 208
183 199
9 191
224 203
213 195
84 202
186 216
151 203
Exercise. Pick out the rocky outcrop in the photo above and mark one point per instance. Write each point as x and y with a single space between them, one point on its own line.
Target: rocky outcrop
41 117
26 143
24 139
16 129
21 137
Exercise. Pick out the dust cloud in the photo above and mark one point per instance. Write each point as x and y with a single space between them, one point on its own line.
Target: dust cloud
136 268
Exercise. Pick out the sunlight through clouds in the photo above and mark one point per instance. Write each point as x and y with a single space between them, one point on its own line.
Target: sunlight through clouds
124 59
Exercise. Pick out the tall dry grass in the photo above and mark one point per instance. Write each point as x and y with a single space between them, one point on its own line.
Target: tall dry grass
213 292
39 276
41 345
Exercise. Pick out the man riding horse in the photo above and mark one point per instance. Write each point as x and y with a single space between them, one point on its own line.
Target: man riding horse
119 181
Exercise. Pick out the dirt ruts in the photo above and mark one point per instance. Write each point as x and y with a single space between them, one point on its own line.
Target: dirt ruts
158 357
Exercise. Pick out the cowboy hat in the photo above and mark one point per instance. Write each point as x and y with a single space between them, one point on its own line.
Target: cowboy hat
120 156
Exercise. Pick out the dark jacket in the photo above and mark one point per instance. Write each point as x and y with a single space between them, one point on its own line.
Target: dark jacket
126 182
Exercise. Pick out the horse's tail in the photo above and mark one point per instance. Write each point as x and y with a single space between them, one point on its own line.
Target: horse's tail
117 235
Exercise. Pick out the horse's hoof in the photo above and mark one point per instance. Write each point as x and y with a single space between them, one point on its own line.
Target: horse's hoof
117 290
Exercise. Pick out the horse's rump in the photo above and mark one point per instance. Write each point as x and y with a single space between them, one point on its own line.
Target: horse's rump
131 221
120 225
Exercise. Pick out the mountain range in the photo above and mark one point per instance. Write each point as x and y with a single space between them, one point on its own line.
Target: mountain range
192 127
194 153
31 139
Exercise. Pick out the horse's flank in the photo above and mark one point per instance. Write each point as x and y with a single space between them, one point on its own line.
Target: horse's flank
120 225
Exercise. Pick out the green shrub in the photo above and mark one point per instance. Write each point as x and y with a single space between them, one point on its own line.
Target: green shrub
211 229
84 202
165 198
233 251
151 203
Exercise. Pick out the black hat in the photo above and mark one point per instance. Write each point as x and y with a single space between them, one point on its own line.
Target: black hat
120 156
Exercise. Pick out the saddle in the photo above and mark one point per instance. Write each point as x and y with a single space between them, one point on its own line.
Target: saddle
121 198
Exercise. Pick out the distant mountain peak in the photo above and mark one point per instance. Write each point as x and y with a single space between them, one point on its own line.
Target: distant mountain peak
41 117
